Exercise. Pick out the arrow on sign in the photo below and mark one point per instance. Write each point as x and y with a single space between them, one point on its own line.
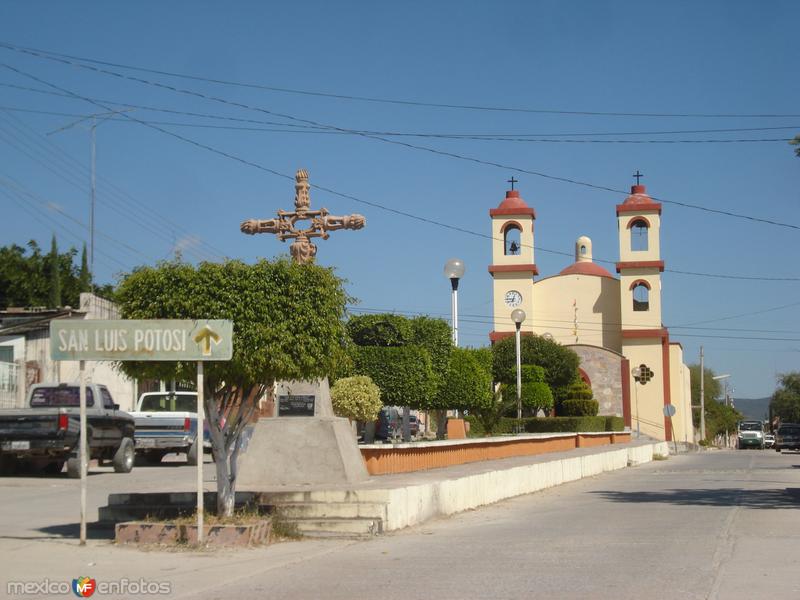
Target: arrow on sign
205 337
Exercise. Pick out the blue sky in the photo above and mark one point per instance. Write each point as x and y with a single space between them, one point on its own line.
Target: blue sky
156 192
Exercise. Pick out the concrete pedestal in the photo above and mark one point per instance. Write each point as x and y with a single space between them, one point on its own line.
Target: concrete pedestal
301 450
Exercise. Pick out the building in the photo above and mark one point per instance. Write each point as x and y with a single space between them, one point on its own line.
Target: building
612 322
25 353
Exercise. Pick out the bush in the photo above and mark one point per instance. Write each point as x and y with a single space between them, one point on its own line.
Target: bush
357 398
466 385
548 425
560 364
535 395
574 407
403 374
578 402
385 330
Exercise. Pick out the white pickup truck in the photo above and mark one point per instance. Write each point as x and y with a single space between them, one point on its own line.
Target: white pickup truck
166 422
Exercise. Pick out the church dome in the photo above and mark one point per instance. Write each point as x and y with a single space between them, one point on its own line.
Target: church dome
583 264
513 204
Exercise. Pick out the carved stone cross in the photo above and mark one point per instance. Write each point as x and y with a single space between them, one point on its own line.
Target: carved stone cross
303 250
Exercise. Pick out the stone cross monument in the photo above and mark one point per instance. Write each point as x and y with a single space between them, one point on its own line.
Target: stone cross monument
303 250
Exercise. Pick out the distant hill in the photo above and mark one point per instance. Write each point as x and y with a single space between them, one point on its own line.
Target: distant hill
756 409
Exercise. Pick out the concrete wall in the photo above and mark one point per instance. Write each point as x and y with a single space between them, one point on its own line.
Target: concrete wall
681 395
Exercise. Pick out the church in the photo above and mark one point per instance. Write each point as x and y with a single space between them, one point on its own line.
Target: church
612 322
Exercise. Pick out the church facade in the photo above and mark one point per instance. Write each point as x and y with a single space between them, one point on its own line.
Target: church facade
612 322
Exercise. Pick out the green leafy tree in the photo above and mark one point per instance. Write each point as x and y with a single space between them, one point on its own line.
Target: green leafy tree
785 401
712 389
380 330
403 374
796 142
467 384
560 364
720 419
536 394
288 324
84 276
54 269
356 398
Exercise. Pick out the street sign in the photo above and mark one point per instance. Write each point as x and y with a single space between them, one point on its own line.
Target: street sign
153 339
669 410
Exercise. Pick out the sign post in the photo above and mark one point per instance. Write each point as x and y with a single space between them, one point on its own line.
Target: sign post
141 340
669 412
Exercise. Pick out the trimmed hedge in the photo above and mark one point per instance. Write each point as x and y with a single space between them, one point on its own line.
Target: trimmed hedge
403 374
579 407
550 425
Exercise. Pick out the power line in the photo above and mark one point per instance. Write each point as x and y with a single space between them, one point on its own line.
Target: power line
369 136
476 137
50 54
337 193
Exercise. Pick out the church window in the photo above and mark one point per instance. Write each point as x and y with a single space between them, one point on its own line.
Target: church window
512 241
641 297
639 231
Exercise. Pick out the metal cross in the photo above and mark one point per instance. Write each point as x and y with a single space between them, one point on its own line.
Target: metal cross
637 175
512 181
302 249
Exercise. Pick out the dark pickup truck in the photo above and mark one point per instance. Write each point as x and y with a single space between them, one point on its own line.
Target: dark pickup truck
47 434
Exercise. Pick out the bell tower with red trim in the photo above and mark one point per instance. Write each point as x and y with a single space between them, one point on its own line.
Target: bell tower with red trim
645 341
513 267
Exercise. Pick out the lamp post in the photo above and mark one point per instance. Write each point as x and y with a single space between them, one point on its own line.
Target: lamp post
637 373
454 270
518 316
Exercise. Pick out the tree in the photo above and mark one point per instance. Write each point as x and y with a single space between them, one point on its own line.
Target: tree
536 394
467 384
580 401
403 374
287 324
796 142
54 268
786 399
356 398
84 276
560 364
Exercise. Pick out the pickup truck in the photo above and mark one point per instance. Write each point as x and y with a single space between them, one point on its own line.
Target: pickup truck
46 435
166 422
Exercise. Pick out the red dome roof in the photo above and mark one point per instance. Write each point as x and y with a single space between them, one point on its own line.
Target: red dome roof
586 268
513 204
638 201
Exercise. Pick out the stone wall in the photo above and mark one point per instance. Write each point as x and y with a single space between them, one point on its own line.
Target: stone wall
603 366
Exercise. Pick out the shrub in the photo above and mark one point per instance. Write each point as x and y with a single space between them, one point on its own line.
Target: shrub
614 423
560 364
403 374
357 398
466 385
548 425
535 395
579 401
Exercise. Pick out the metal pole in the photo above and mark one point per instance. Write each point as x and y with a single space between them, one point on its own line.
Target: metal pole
82 456
519 382
702 397
454 308
91 212
638 421
200 428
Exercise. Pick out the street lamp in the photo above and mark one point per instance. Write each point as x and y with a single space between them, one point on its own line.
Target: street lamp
518 316
454 270
637 373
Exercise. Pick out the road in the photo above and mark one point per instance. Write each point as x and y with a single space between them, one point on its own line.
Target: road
713 525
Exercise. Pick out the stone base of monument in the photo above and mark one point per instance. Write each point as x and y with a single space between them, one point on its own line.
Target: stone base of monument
304 445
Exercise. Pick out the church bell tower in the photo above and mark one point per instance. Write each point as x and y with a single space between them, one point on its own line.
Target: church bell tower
513 267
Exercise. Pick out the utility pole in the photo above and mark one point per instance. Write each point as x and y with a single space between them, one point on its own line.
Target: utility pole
702 397
93 128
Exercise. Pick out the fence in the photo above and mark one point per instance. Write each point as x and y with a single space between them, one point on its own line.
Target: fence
10 384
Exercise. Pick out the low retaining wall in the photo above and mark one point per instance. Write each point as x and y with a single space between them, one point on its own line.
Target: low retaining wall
383 459
411 505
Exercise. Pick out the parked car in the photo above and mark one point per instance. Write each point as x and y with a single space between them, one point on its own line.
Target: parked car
751 435
46 435
787 437
166 422
769 440
390 420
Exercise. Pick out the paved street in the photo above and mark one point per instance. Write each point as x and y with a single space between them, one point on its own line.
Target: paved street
712 525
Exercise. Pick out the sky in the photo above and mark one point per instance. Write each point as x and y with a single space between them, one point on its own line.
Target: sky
550 92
